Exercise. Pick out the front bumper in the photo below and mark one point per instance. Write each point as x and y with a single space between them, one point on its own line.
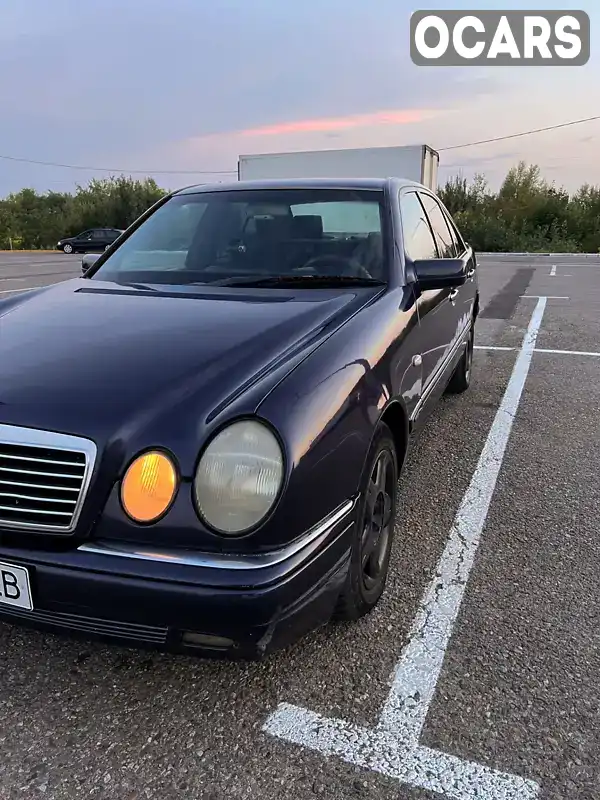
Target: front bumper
237 608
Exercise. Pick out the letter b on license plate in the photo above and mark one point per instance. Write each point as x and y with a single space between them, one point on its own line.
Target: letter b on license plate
14 587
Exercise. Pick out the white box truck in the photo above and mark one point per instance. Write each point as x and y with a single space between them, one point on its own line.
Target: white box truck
414 162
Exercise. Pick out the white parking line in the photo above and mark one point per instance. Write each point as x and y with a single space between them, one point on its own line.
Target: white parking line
490 347
542 350
568 352
14 291
393 748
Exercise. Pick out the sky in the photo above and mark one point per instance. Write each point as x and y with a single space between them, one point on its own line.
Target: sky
189 85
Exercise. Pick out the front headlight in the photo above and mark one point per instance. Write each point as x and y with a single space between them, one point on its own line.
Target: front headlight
239 477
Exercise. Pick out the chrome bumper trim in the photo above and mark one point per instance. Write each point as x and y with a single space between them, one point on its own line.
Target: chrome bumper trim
218 560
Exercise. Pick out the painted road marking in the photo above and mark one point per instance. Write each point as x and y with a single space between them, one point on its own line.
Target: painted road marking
553 270
392 748
568 352
490 347
541 350
13 291
545 297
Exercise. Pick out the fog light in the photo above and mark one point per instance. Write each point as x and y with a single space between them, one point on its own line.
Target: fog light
194 639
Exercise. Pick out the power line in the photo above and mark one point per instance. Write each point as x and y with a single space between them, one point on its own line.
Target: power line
234 171
524 133
136 171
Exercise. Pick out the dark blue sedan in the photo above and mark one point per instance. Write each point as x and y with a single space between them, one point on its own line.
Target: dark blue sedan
201 438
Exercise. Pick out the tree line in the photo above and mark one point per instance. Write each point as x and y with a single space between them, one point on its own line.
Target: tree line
32 221
527 213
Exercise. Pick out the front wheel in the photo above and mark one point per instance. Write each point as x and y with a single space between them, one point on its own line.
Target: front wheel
461 380
68 249
373 531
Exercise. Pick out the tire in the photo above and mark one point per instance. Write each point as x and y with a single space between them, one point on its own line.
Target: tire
461 379
68 249
374 530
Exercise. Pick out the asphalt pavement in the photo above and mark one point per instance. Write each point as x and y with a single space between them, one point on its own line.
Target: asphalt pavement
514 712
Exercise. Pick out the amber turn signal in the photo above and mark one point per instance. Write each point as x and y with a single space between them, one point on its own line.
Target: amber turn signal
149 486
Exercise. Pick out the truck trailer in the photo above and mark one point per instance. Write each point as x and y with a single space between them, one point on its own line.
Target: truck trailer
413 162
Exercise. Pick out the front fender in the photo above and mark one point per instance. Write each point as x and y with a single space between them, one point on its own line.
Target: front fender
327 409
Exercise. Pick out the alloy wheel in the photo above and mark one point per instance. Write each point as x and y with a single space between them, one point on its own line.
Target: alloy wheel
377 520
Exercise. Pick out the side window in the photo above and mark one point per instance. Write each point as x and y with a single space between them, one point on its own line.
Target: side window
446 243
418 239
457 247
460 242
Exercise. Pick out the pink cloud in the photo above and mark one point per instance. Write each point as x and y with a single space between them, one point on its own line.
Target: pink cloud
325 125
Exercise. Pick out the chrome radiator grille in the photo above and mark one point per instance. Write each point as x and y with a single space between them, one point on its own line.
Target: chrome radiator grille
43 478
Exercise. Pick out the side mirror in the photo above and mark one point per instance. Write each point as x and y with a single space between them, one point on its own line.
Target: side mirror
440 273
88 260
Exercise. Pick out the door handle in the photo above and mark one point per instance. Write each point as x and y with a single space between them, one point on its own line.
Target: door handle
453 295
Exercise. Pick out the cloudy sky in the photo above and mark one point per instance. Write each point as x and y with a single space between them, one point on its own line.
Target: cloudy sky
152 85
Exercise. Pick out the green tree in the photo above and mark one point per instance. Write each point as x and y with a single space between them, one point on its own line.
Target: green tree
31 221
527 213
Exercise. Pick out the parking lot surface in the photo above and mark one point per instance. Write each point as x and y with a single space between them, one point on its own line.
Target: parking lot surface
494 670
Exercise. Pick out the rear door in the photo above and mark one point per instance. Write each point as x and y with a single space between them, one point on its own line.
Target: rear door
112 234
434 315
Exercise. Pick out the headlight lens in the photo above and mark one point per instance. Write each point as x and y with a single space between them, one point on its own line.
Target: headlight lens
149 486
239 477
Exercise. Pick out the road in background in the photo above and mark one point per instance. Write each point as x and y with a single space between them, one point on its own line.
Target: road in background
25 270
520 684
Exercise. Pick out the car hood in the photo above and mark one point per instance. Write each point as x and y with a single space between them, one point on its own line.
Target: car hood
92 358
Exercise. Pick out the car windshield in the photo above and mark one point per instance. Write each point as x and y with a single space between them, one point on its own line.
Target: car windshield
261 236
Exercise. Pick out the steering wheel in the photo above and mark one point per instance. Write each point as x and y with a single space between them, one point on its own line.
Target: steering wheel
336 265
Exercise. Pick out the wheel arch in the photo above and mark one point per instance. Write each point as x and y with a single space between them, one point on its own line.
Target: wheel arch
396 418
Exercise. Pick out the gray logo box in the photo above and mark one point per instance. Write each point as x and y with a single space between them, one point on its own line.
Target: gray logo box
562 42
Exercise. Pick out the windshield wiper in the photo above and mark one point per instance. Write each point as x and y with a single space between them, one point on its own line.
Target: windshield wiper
319 281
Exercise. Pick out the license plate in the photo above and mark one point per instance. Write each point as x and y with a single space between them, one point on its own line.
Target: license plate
14 587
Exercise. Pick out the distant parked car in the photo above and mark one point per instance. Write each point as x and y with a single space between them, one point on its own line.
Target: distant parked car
92 240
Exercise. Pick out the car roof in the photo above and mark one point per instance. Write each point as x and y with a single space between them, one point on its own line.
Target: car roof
301 183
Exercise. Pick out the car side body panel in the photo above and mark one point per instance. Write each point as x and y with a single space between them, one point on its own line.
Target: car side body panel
328 416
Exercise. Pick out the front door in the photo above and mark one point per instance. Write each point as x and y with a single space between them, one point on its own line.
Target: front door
459 300
98 241
435 315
